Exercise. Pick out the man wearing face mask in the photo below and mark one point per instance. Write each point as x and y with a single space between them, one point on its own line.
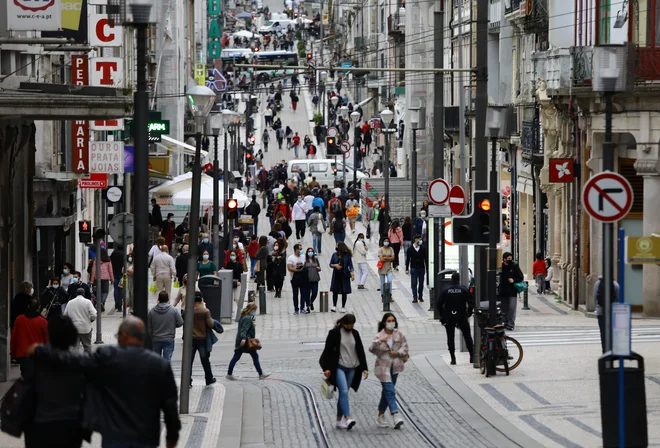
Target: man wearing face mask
416 267
508 293
53 298
456 306
205 245
76 283
181 263
420 224
299 214
294 265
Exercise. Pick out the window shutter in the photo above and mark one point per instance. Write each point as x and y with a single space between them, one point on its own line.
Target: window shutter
627 170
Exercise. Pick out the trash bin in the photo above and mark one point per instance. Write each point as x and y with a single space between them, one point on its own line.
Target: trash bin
634 402
211 288
442 280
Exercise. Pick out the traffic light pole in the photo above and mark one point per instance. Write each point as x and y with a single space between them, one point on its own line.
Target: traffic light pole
493 235
225 190
216 201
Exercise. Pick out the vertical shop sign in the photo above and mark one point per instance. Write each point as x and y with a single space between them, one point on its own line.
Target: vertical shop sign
215 30
80 128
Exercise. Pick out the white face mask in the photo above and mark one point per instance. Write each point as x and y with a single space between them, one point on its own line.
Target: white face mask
390 325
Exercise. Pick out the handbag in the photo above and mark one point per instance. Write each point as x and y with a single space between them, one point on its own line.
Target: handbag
18 407
234 283
257 267
520 286
253 344
327 389
379 265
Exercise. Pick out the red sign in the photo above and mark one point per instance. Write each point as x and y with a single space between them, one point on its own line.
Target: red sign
80 128
457 199
561 170
607 197
95 180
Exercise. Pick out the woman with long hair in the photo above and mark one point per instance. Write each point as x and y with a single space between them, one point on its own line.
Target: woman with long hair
395 235
107 276
339 226
360 252
277 260
344 362
246 330
385 259
311 279
236 267
342 275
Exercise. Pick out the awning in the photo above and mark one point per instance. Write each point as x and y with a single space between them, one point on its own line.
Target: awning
172 144
365 102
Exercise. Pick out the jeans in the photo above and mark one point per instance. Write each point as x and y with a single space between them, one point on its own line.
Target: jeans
344 381
339 236
309 293
295 286
164 348
296 150
117 292
237 355
388 396
540 283
253 263
199 345
316 241
363 272
511 305
406 245
385 278
115 443
417 282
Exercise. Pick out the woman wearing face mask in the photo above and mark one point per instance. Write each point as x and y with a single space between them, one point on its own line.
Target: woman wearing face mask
385 259
235 247
342 274
236 267
206 267
310 279
344 363
277 260
360 252
395 235
391 350
246 330
67 275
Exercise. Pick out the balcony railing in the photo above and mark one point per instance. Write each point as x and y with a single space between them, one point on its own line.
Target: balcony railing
396 25
515 5
582 65
647 67
530 139
360 43
648 64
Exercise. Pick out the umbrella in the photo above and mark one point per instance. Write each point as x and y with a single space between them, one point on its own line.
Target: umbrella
243 15
244 33
179 191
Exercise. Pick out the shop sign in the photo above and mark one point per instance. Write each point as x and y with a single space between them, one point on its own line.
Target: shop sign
106 157
214 34
107 72
34 15
642 250
102 33
80 128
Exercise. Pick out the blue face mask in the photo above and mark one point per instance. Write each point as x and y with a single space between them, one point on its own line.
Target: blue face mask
65 271
206 240
386 243
253 313
205 256
74 280
310 254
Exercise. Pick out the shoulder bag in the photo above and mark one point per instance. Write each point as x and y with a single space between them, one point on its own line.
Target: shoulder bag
18 408
253 344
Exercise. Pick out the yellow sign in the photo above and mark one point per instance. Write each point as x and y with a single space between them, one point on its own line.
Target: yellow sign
200 74
642 250
71 10
160 164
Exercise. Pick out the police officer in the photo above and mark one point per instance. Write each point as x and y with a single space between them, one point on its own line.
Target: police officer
456 307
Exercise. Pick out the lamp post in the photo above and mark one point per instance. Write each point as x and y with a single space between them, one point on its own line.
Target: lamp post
227 119
216 129
355 118
324 78
386 116
200 100
343 111
495 129
418 116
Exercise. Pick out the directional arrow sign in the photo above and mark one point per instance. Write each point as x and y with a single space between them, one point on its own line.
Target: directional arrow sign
457 199
607 197
344 146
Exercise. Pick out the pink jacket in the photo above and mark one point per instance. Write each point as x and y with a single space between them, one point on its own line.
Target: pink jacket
385 364
395 236
106 271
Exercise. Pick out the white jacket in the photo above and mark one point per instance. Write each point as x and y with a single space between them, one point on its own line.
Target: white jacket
163 265
360 252
82 313
299 211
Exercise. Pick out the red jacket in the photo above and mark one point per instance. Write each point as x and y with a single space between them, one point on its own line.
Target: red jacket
538 267
285 209
253 248
29 328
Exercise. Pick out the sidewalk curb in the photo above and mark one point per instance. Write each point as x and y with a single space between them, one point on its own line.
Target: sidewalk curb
231 424
469 406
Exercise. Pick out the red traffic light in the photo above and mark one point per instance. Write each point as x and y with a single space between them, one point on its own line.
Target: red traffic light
309 56
485 205
232 204
85 226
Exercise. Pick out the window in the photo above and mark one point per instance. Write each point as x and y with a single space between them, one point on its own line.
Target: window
627 170
299 167
318 167
382 20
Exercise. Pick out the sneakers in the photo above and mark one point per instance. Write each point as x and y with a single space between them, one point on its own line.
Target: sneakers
263 376
343 310
303 311
398 421
231 377
381 422
349 424
295 313
341 424
211 381
333 309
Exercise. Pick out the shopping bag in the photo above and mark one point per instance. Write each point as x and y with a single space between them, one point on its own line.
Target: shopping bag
327 390
177 284
153 288
379 265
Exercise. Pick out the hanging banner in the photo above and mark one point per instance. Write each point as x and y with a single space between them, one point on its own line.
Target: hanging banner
214 48
80 128
32 15
107 72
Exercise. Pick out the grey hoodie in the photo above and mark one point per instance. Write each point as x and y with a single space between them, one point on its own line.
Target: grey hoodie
162 322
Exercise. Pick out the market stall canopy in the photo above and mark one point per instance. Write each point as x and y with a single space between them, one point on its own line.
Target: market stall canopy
243 15
244 33
178 191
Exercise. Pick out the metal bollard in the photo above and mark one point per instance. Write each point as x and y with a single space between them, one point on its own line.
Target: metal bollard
431 299
526 297
387 295
262 300
323 298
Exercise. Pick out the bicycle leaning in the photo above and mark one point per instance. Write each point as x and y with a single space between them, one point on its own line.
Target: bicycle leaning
504 352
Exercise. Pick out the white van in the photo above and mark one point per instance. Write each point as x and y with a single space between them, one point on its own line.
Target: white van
275 16
271 25
323 170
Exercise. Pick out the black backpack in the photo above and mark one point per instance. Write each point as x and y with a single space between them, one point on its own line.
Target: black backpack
338 226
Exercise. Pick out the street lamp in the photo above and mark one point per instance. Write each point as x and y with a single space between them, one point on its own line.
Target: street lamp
323 77
343 112
216 129
355 118
200 101
227 121
496 117
386 116
417 122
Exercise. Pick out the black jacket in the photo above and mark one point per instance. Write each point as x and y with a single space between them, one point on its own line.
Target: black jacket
415 259
72 291
330 357
127 388
456 302
181 265
509 271
253 209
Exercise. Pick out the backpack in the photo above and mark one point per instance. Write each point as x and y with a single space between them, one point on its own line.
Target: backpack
338 225
336 206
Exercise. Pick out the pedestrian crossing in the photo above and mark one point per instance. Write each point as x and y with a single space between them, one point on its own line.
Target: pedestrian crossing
540 338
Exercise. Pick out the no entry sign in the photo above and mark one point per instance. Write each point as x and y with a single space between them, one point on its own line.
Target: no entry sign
457 199
607 197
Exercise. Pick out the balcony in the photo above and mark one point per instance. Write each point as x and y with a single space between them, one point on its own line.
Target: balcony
535 15
494 14
396 25
515 6
530 140
360 43
648 64
452 118
582 66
